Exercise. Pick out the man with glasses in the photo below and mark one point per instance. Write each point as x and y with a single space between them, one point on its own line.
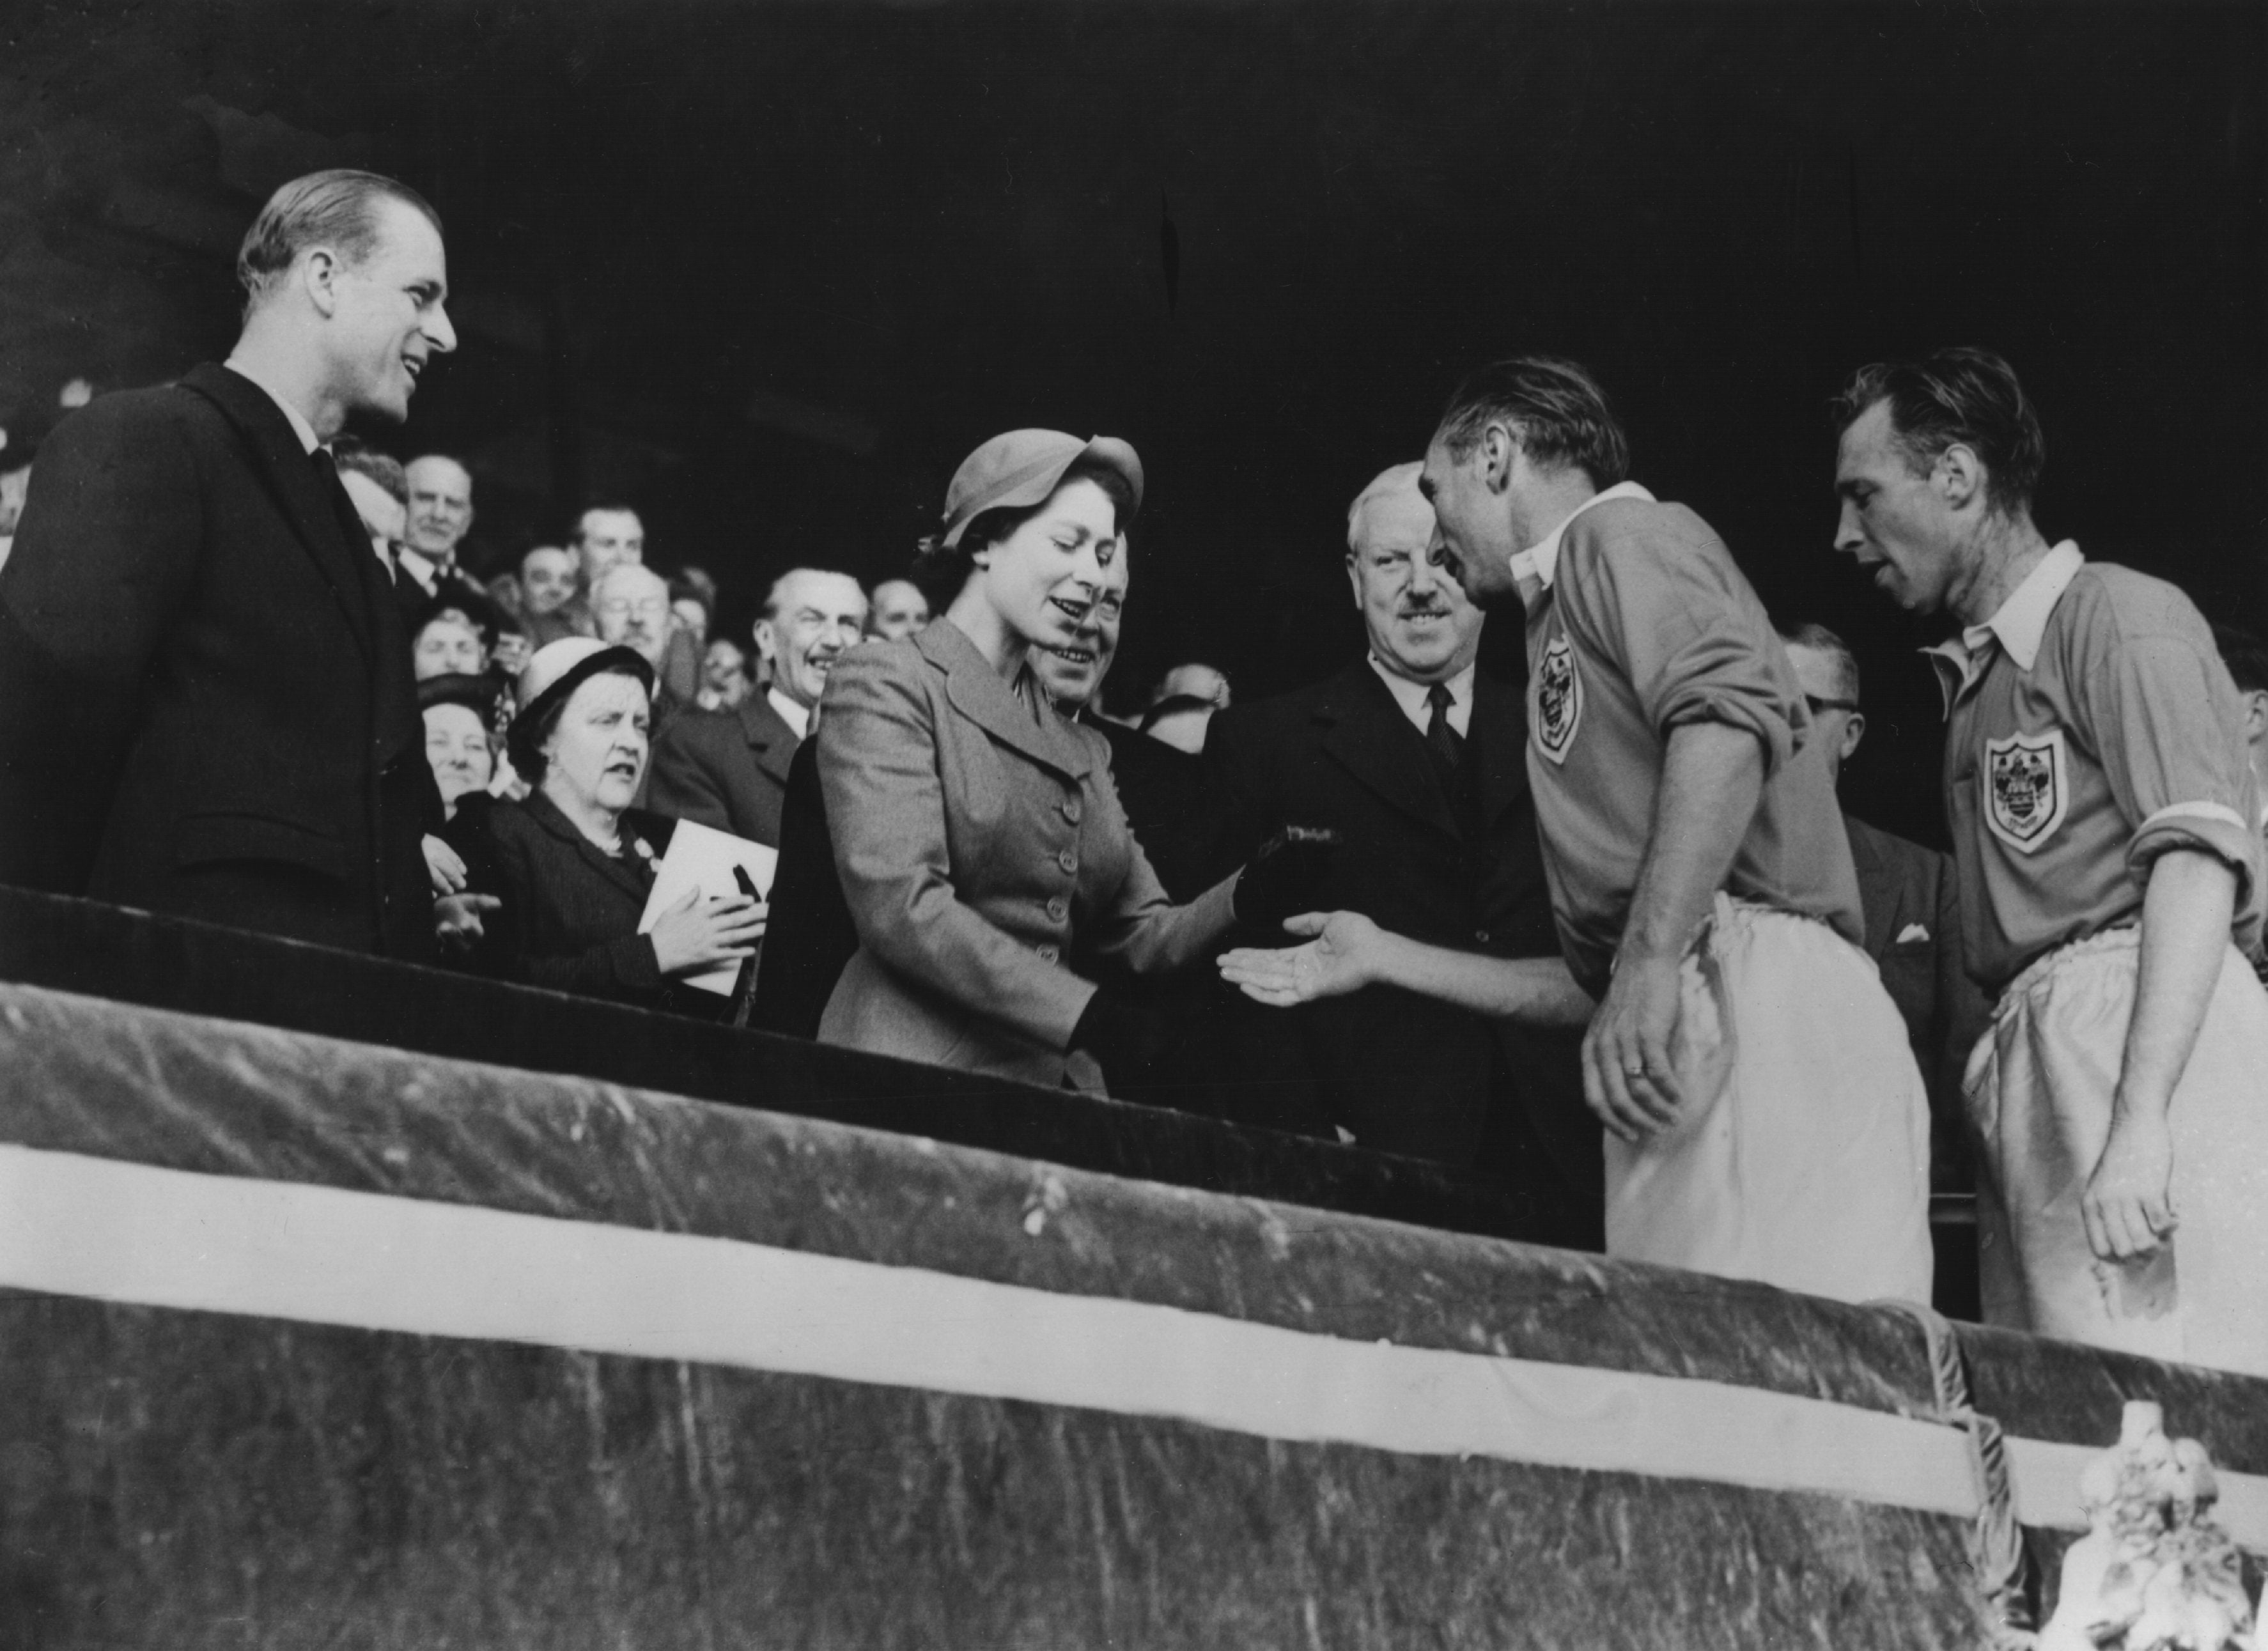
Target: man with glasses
1910 900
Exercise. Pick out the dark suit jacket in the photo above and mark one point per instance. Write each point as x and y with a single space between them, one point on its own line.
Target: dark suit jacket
726 768
206 704
1912 905
1168 805
570 910
1404 1074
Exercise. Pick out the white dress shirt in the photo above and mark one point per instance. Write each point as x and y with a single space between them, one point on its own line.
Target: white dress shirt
792 712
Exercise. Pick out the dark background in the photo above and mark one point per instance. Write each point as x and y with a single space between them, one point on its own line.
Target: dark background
768 271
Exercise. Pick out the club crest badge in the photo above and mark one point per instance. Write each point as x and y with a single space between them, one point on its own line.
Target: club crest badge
2026 788
1558 700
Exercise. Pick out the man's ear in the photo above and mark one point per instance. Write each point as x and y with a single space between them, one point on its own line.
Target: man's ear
1854 729
767 642
1498 448
319 276
2256 714
1960 475
1354 577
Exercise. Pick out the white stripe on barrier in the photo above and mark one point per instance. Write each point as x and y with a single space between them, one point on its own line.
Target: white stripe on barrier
78 1226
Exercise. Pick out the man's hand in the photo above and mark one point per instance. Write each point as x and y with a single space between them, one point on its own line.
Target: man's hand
1341 958
457 919
444 866
1627 1078
2129 1202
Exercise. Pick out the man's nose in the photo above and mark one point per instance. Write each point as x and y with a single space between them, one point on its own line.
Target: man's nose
438 333
1848 535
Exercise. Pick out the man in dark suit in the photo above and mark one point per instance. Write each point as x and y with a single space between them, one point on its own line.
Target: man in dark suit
1416 759
1912 906
728 769
206 705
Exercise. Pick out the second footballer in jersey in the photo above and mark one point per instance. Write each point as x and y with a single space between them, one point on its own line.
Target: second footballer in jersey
2102 810
1765 1118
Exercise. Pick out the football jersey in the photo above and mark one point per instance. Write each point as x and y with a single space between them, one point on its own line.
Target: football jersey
2091 727
1640 621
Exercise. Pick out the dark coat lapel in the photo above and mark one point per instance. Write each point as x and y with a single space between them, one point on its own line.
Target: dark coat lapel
1500 722
290 474
979 694
546 814
1367 735
770 741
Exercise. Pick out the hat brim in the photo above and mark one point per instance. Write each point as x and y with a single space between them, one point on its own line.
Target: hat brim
604 660
1035 485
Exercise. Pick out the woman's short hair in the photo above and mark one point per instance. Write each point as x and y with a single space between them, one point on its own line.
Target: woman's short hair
1554 406
335 208
1958 397
940 570
539 719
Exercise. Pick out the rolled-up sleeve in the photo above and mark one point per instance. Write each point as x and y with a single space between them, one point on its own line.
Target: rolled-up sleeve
2168 729
886 810
1651 587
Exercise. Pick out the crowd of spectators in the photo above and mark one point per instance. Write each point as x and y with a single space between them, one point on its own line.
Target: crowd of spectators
1599 930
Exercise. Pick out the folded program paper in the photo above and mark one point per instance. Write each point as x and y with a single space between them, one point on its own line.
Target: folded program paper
700 857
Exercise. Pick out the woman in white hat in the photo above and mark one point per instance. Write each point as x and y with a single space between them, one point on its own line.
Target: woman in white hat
978 831
574 862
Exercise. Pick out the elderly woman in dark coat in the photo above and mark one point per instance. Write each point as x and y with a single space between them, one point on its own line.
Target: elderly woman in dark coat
574 863
978 831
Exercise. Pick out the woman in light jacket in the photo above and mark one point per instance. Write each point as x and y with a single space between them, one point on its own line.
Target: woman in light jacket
977 832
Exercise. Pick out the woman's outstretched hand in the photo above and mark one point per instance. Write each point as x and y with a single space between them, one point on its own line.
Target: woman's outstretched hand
1343 957
697 936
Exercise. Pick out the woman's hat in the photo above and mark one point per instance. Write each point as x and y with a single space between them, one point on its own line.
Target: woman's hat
475 694
560 667
1022 467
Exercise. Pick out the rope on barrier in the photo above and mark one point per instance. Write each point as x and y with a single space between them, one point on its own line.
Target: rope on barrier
1996 1543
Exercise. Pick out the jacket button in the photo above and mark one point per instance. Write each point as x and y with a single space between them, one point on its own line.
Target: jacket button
1071 810
1057 908
1068 860
1048 953
1481 935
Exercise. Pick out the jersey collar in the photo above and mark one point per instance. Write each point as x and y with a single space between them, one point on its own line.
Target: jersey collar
2018 626
1540 561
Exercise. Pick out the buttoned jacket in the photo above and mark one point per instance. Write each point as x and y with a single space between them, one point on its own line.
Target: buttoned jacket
207 706
978 833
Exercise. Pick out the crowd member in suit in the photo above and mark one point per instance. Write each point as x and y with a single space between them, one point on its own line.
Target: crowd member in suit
1764 1116
1910 900
975 830
729 769
444 642
1413 754
206 703
572 866
899 610
440 503
2106 827
549 583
